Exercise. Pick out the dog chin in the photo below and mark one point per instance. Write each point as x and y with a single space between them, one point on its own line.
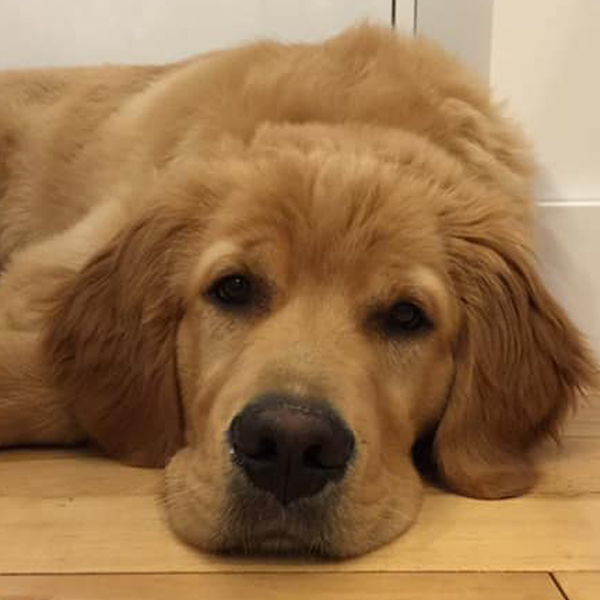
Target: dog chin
255 522
247 520
251 521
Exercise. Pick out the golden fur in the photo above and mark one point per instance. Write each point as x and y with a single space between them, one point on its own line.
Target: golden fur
346 174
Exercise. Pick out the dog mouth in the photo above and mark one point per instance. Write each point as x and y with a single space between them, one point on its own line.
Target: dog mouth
255 522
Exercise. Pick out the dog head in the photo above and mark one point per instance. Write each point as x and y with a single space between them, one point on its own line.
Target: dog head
297 315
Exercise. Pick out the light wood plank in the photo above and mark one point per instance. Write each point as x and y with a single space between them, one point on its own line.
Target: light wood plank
586 422
571 468
348 586
89 534
580 586
70 473
67 511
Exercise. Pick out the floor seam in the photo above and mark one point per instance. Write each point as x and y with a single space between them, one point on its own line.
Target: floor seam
558 586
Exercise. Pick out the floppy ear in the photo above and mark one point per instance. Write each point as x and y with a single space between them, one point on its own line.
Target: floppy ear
520 364
110 340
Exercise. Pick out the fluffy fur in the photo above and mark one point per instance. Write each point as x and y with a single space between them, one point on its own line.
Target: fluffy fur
346 175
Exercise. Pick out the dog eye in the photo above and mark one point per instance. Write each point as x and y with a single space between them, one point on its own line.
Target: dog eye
232 291
406 318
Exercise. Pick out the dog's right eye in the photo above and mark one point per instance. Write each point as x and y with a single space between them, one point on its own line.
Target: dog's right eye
232 291
405 319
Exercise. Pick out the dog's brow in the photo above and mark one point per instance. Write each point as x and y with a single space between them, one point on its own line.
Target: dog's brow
214 258
216 253
437 292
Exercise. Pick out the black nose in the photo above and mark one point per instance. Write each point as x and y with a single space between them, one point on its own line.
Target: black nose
290 448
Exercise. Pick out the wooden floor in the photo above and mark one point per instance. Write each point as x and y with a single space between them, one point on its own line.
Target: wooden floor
75 526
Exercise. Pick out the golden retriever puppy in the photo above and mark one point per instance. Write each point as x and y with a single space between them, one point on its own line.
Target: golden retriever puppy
274 269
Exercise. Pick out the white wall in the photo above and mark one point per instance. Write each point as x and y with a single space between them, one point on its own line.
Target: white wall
545 60
463 27
66 32
569 251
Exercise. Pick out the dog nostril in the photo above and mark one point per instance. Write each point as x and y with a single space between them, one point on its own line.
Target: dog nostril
267 449
325 455
312 457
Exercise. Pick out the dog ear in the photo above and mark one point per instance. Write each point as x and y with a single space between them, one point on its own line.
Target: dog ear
520 365
110 341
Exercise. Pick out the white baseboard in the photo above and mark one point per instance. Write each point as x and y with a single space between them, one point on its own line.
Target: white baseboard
569 252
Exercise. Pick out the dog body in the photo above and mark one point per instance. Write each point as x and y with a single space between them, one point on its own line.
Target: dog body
275 268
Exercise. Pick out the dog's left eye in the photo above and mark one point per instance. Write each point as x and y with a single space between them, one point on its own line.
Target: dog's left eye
232 291
406 318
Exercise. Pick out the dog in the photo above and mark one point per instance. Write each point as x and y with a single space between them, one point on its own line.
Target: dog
274 269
